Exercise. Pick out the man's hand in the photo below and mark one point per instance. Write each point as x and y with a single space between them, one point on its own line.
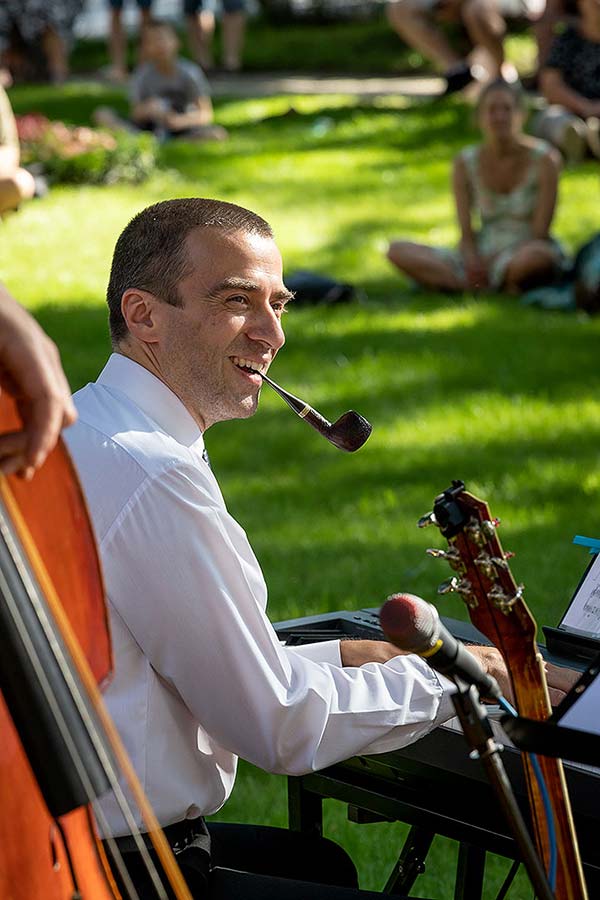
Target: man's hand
560 681
357 653
492 662
30 370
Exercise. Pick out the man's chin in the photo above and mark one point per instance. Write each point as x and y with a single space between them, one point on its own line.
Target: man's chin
247 407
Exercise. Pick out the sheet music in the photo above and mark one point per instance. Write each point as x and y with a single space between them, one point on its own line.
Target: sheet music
583 614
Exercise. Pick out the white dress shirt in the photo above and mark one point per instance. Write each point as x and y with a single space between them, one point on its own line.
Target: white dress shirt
200 675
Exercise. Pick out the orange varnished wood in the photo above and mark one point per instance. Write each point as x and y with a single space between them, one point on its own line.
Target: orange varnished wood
41 857
54 509
33 862
513 632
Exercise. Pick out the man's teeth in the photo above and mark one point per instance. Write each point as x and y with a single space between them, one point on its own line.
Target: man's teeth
249 364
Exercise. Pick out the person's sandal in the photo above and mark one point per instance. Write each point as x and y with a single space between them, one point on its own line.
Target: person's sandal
457 78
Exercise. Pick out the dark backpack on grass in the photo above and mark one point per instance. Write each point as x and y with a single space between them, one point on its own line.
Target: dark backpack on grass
312 288
586 272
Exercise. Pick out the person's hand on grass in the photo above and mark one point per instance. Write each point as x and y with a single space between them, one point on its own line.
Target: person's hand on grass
475 270
30 370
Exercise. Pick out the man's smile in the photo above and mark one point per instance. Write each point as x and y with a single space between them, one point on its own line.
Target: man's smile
252 368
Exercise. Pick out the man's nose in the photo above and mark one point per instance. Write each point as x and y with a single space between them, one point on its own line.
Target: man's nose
266 327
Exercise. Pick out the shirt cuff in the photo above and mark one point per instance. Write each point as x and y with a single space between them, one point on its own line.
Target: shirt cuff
321 652
444 686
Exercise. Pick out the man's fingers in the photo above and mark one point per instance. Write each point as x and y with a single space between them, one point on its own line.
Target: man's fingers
45 418
560 681
13 447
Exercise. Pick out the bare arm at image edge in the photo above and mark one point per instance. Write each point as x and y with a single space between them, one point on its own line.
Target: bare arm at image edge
30 369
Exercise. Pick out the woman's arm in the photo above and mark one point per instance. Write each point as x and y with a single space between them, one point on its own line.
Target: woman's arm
475 268
555 90
548 190
462 200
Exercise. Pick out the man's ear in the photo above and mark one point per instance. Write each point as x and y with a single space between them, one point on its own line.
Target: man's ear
139 311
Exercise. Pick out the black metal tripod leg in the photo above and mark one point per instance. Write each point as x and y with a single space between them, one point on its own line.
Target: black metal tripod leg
411 862
305 810
470 871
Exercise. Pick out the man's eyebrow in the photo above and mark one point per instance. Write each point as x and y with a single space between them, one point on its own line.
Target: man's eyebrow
244 284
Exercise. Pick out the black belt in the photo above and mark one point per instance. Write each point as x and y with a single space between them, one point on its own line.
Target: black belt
179 835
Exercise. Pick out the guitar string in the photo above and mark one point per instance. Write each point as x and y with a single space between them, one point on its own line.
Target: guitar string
34 596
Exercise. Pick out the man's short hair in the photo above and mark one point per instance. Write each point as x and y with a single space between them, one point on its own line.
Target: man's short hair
151 254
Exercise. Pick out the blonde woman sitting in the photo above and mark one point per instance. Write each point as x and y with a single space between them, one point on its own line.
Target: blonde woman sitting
505 191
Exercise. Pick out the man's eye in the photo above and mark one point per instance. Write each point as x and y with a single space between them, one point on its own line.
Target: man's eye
238 298
279 307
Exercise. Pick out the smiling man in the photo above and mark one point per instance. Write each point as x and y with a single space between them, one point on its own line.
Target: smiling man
196 298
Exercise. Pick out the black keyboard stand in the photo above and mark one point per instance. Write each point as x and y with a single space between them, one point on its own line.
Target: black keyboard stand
431 785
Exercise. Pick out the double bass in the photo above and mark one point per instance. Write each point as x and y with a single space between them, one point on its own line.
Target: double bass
59 750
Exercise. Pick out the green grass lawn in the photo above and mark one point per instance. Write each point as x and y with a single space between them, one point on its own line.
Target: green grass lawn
481 388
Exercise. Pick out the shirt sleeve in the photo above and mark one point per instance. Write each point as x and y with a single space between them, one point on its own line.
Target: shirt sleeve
190 591
322 651
138 86
196 83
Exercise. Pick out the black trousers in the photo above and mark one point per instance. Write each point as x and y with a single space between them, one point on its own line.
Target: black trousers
251 862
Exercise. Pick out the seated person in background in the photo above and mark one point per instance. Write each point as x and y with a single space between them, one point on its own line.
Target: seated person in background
168 95
509 182
16 184
570 82
418 22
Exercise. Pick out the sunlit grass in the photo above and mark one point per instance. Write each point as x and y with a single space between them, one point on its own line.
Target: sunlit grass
475 387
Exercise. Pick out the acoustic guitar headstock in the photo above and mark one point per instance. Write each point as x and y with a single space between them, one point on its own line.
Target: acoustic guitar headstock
482 574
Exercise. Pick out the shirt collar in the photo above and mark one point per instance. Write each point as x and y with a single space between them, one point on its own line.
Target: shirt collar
153 397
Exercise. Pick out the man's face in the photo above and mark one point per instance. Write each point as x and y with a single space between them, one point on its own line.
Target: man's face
230 320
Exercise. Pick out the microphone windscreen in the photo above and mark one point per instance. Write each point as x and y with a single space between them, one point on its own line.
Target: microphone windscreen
408 622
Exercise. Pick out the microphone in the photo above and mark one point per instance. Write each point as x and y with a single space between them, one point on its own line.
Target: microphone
414 626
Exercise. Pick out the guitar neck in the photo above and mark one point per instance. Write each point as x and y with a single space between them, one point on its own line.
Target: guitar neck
496 607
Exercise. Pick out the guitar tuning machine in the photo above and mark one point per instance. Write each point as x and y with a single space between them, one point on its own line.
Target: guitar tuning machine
426 520
489 565
460 586
452 556
449 586
480 533
501 599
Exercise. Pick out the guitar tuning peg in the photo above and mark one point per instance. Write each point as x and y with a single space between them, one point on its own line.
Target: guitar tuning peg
428 519
436 553
452 556
449 586
489 527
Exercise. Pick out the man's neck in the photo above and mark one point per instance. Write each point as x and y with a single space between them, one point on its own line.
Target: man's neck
145 356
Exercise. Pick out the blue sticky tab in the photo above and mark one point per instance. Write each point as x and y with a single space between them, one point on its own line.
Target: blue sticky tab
592 543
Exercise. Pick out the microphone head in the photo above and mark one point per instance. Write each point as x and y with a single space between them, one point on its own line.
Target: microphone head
409 622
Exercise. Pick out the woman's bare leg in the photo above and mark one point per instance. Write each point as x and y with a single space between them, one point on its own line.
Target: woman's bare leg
534 263
15 188
424 265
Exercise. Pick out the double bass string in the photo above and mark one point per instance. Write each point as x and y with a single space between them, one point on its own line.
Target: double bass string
34 595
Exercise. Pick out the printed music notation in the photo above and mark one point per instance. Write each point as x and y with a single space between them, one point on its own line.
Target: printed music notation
583 613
